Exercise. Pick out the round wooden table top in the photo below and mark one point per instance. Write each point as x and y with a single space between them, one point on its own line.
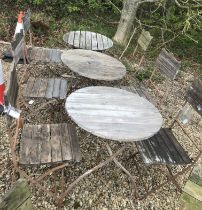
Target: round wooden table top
93 65
113 113
87 40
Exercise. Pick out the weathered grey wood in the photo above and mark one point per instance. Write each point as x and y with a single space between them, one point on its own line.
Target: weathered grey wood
82 40
65 142
163 148
93 65
100 42
48 143
93 41
35 88
76 154
45 152
168 64
26 137
88 40
11 92
49 90
56 56
29 86
144 39
194 95
71 38
63 89
42 88
56 88
55 143
17 197
113 113
76 39
34 145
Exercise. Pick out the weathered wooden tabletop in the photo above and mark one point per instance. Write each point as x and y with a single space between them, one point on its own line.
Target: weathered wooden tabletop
93 65
113 113
88 40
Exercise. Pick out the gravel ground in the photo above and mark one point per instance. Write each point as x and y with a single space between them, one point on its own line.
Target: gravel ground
109 187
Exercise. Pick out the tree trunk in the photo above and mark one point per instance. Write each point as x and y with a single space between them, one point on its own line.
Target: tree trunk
128 15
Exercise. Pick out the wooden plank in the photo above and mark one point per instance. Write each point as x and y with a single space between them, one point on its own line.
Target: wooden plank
55 143
66 37
29 86
49 90
55 56
71 38
100 42
144 39
26 137
76 39
42 88
65 142
110 43
26 21
88 40
105 42
82 40
94 41
35 144
45 153
35 88
76 154
45 56
16 196
56 88
63 89
178 147
38 53
194 190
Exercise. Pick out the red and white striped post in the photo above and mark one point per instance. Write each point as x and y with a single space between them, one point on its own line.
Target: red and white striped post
19 25
2 85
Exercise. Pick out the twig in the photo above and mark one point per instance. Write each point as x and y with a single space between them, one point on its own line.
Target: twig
71 186
128 43
114 6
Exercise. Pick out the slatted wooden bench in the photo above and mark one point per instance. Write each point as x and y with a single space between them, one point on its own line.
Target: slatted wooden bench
46 88
87 40
48 143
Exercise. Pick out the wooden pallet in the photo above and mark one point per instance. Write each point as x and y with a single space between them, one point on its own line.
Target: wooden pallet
88 40
48 143
46 88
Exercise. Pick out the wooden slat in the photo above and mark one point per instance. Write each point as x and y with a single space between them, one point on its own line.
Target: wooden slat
110 43
56 88
65 142
29 86
49 90
76 39
45 153
26 137
94 41
144 40
66 37
26 21
42 88
45 56
100 42
35 144
76 154
55 143
55 56
105 42
63 89
82 40
88 40
71 38
178 147
38 53
35 88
